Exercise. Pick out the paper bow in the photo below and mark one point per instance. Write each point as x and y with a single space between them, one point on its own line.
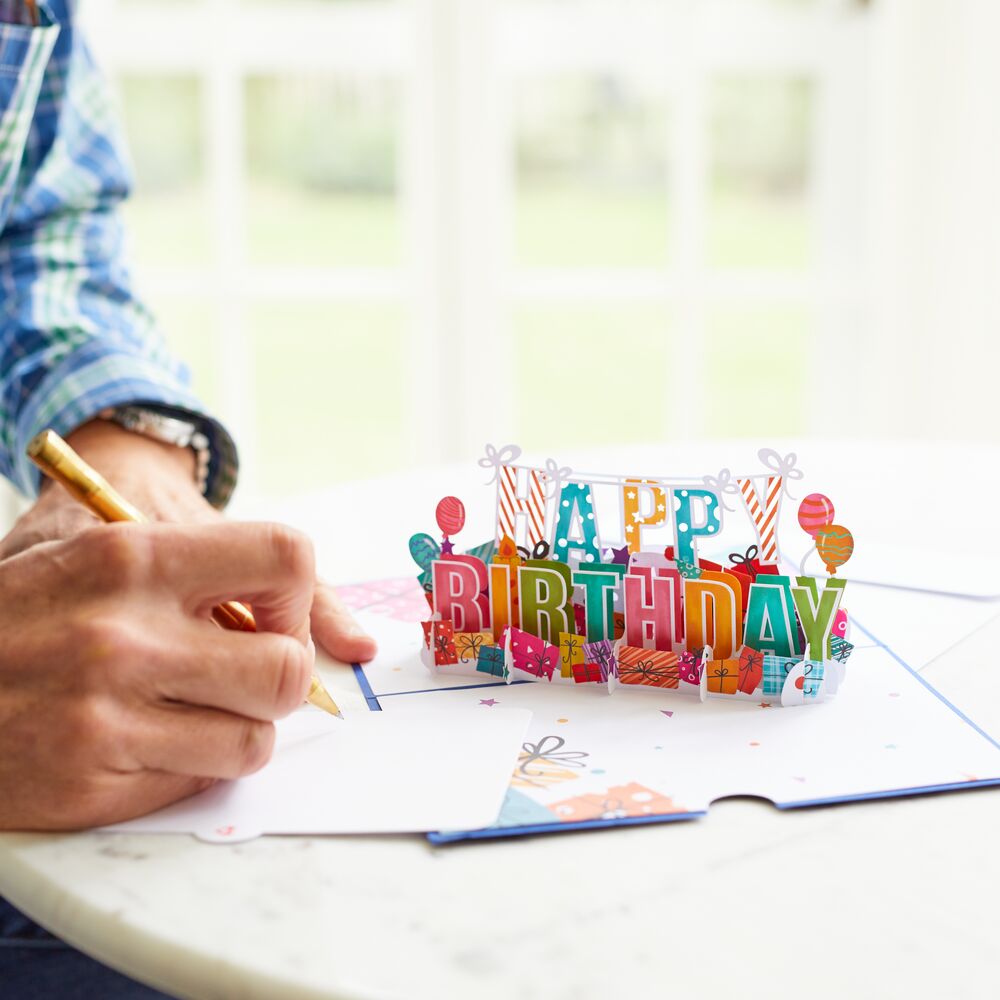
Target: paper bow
549 750
722 484
747 561
540 551
555 475
783 466
494 459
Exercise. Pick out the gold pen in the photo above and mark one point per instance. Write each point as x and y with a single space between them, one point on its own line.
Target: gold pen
60 462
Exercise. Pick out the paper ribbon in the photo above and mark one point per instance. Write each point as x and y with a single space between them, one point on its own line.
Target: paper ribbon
540 551
556 476
494 459
782 466
746 560
549 750
722 484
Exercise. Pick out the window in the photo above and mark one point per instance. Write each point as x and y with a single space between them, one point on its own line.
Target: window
410 227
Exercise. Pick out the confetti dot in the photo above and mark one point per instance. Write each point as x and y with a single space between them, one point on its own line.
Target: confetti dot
657 748
597 770
754 743
562 720
396 670
667 713
488 702
893 694
890 746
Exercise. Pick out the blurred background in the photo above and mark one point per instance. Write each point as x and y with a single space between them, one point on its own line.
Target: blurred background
405 227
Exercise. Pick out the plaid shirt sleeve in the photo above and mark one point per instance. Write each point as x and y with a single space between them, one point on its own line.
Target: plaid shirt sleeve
74 339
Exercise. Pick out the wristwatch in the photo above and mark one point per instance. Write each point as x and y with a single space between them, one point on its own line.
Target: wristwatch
166 428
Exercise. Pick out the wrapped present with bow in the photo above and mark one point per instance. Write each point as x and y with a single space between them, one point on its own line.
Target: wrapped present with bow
469 644
748 564
443 644
812 678
723 676
588 673
617 802
699 566
751 669
840 649
603 654
648 667
619 620
492 661
691 667
547 763
570 652
776 669
530 654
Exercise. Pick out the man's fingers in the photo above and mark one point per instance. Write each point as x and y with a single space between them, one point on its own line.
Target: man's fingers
141 794
200 742
269 565
336 631
263 676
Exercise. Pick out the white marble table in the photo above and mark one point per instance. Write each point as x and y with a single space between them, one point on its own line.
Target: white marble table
892 898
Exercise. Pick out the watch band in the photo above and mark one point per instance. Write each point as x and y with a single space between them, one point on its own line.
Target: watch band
166 429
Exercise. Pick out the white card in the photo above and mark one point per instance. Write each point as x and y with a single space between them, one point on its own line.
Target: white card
368 773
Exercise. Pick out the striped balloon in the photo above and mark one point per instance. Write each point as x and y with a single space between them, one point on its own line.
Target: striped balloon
450 515
815 512
835 544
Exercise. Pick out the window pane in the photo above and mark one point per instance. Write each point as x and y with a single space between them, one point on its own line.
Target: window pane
190 328
581 363
167 214
754 355
322 171
330 393
591 172
760 171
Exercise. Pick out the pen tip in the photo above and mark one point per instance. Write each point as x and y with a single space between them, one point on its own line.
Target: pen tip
320 697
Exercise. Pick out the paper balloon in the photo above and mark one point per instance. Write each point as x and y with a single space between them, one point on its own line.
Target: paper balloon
450 515
834 544
815 512
424 550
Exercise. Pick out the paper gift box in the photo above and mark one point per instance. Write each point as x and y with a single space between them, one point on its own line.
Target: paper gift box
579 618
469 644
570 652
531 654
427 627
703 564
588 673
649 667
603 654
547 763
749 564
443 640
619 619
812 678
617 802
491 661
776 669
751 669
690 667
723 676
840 649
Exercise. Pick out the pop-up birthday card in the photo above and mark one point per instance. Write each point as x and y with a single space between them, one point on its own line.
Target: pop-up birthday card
656 630
561 607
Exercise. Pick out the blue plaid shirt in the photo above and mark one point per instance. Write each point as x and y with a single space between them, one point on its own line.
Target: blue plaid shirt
74 338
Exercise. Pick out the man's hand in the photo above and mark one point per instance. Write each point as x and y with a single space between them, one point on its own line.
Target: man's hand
117 693
159 480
